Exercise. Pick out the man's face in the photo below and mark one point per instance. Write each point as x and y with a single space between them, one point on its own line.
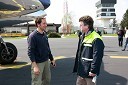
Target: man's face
43 25
84 28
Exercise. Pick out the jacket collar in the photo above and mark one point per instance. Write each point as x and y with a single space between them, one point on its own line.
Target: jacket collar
89 32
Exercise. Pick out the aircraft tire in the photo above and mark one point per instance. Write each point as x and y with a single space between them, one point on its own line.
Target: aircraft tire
8 58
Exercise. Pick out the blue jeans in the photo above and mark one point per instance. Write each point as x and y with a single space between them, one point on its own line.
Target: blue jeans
125 44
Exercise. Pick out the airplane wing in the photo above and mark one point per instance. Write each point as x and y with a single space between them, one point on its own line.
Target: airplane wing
13 20
12 8
12 11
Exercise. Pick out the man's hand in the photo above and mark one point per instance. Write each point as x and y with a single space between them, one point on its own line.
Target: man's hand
36 70
92 74
53 63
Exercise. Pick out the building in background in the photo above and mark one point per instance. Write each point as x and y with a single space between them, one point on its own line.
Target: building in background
26 28
105 12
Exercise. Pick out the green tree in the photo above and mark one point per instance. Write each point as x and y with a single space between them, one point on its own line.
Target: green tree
124 22
114 22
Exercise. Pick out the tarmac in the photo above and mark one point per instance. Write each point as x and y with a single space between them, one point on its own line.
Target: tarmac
113 70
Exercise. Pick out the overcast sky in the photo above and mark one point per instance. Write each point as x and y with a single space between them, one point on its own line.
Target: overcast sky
79 8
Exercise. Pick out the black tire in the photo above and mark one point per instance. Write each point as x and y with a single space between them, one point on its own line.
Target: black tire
8 58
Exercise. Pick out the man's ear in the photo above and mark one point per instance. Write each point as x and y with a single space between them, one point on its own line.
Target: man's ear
88 26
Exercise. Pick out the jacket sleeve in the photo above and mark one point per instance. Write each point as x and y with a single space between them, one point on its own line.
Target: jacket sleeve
50 55
77 54
31 48
98 52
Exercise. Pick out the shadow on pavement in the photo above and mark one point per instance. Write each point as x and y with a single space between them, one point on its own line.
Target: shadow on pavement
15 76
106 78
61 75
14 64
110 51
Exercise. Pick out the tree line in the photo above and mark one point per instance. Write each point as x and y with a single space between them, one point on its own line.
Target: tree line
124 22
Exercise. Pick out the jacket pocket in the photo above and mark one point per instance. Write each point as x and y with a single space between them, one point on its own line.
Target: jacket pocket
87 66
87 51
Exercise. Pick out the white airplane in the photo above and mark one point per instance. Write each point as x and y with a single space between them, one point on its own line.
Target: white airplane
14 12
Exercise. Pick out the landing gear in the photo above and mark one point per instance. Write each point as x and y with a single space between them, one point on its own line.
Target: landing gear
8 52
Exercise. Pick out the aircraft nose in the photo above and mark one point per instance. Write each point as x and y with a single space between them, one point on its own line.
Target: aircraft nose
45 3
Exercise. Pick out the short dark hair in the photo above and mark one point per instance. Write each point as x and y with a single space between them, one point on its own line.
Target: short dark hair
127 27
87 20
38 20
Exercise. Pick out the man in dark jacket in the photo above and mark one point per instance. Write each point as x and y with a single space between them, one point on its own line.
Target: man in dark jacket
89 53
120 34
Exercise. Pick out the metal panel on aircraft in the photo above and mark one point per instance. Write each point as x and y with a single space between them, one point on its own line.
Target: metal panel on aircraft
11 8
11 11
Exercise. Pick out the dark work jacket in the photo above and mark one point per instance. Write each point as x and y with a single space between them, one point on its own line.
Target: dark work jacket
99 32
120 33
95 52
38 47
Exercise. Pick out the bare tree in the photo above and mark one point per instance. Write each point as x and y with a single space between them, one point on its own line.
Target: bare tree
66 24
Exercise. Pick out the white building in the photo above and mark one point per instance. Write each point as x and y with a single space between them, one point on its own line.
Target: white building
105 11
